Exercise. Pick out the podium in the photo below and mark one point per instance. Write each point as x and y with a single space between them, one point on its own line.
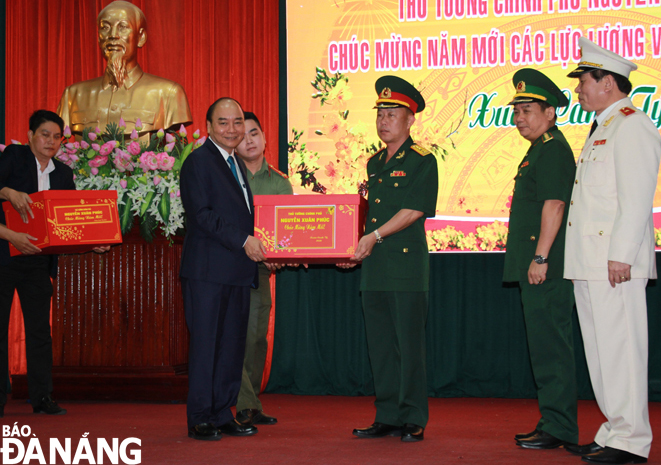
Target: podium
118 325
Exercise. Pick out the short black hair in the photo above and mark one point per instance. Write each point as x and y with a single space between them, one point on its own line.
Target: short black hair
40 117
213 107
623 84
249 115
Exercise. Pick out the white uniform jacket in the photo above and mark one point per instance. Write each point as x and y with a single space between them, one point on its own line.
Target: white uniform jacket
610 213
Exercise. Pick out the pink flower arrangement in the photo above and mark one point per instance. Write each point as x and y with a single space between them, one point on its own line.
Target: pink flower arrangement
149 161
165 161
134 148
108 147
92 136
96 147
98 161
123 161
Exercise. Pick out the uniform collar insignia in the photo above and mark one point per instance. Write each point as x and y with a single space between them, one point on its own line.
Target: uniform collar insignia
401 155
608 121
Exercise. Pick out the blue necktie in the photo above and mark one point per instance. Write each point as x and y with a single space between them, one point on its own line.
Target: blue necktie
230 159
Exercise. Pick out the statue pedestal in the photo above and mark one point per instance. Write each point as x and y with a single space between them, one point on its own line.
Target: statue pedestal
118 325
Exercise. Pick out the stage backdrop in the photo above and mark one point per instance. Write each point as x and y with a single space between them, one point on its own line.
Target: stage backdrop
212 48
461 54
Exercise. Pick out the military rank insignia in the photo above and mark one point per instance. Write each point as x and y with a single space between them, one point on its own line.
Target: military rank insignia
600 142
547 136
420 150
397 174
524 164
626 111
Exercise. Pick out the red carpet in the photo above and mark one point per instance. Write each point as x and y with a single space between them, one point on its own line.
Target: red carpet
316 430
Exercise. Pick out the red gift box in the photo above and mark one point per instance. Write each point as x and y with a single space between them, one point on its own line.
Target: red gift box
68 221
309 228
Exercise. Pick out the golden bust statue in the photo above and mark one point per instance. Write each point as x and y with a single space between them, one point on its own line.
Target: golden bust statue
125 90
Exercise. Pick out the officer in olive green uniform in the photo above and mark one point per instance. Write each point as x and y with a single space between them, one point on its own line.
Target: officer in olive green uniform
265 180
535 257
402 189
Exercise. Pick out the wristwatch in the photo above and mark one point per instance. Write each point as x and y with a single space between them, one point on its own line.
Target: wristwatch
540 259
379 239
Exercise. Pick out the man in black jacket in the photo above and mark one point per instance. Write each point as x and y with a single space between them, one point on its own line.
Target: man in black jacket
24 170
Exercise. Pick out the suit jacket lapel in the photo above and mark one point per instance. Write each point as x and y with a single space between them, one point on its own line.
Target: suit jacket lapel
230 179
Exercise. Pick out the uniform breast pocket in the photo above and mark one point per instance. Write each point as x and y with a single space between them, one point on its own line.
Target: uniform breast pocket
595 166
146 117
82 119
396 181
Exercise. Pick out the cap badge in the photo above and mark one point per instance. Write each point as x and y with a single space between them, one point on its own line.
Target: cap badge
521 86
385 93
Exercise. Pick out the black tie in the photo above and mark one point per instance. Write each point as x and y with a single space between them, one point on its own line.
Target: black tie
593 128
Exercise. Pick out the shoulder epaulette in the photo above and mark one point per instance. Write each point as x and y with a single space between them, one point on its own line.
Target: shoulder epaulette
626 111
420 150
547 136
278 171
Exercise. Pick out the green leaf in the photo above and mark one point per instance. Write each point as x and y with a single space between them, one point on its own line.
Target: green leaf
184 154
146 203
148 228
131 183
91 153
164 207
125 214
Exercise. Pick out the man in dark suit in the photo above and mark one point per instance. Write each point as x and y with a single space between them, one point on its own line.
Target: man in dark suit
26 169
218 267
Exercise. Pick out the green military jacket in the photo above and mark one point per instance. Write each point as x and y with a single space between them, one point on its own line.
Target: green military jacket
268 181
545 173
408 181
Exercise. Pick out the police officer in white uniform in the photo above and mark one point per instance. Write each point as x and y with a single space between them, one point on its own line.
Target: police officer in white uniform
609 252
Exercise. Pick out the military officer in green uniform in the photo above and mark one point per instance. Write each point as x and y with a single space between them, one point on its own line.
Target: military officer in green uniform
402 189
535 257
263 180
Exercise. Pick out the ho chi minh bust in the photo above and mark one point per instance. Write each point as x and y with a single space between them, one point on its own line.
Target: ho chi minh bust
125 90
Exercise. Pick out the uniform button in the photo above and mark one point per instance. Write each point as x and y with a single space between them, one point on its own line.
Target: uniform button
571 203
405 250
396 185
601 233
581 160
510 210
373 220
576 182
569 223
519 174
532 238
380 180
377 201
